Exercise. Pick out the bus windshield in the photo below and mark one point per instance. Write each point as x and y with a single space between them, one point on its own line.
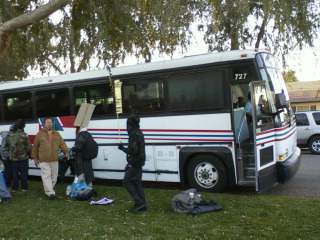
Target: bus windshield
270 71
273 74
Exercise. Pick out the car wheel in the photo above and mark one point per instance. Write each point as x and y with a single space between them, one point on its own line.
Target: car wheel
207 173
314 145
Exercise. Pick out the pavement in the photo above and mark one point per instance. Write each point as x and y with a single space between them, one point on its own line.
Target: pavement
306 182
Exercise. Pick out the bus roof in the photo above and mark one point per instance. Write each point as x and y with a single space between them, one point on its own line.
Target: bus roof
187 61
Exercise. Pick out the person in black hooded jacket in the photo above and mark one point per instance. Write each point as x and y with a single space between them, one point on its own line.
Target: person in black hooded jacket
82 164
135 160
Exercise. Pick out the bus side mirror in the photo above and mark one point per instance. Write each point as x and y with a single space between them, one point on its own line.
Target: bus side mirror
281 101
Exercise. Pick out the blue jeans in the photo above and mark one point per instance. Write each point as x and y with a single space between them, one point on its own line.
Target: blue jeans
8 172
20 172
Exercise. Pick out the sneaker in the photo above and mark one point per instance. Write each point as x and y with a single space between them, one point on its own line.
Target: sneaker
24 190
138 209
52 196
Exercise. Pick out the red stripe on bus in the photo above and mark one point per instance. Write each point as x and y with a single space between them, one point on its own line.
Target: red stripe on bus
276 140
273 130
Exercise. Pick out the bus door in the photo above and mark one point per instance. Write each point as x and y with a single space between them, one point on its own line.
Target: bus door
264 137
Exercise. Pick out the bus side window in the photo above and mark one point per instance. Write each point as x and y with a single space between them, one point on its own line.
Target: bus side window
99 95
55 102
196 91
142 96
18 105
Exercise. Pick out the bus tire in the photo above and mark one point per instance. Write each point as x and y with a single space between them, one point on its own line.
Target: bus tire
207 173
314 144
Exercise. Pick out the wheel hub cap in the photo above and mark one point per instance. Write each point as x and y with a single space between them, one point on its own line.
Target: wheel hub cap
206 175
316 146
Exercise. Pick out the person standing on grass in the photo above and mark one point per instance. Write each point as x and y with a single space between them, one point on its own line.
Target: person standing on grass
85 149
5 156
45 154
135 161
18 147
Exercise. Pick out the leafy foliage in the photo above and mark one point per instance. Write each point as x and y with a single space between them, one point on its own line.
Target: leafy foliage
279 25
289 76
99 31
92 34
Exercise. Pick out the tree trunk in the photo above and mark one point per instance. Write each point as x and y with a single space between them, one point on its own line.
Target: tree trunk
26 19
262 31
234 40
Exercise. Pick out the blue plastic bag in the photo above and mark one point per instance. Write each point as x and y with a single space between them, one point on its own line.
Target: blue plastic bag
79 190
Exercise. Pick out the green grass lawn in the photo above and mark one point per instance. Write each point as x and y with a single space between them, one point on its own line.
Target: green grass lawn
245 216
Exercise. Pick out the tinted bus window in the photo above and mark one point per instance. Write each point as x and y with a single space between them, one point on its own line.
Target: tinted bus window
142 96
17 105
196 91
100 95
54 102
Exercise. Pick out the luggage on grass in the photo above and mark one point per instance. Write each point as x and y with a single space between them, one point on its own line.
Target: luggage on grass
190 201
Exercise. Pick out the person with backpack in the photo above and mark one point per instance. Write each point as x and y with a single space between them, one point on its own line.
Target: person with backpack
18 147
5 156
136 157
85 149
46 146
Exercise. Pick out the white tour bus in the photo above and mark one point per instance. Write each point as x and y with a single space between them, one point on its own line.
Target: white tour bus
210 121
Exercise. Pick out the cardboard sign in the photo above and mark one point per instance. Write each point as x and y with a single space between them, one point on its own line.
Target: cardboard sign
118 95
84 115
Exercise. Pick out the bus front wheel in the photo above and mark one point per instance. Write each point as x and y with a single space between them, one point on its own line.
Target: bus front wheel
206 172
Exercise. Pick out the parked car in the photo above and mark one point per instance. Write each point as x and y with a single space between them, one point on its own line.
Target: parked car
308 130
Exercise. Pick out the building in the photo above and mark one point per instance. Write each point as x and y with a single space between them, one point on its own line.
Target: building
304 96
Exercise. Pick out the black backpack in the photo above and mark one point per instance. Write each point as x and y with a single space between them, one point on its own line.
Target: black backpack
91 148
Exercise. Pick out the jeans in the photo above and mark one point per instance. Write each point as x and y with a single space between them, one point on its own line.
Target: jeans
20 172
8 172
133 183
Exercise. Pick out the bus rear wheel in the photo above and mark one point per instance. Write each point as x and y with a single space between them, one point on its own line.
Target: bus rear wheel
207 173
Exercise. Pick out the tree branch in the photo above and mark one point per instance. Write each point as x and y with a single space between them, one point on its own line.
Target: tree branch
262 31
55 66
28 18
33 16
86 56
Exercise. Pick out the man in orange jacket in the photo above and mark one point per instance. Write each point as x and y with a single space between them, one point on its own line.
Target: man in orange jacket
45 154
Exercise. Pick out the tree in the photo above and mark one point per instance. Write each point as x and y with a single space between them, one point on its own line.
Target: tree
279 25
24 32
289 76
108 31
100 32
29 17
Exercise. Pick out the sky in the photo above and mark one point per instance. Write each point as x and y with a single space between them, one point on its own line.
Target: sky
306 62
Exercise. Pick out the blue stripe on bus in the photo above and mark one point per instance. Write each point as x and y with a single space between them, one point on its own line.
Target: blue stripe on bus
161 135
276 135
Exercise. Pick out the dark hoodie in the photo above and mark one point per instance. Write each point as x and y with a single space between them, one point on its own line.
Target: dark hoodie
136 149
